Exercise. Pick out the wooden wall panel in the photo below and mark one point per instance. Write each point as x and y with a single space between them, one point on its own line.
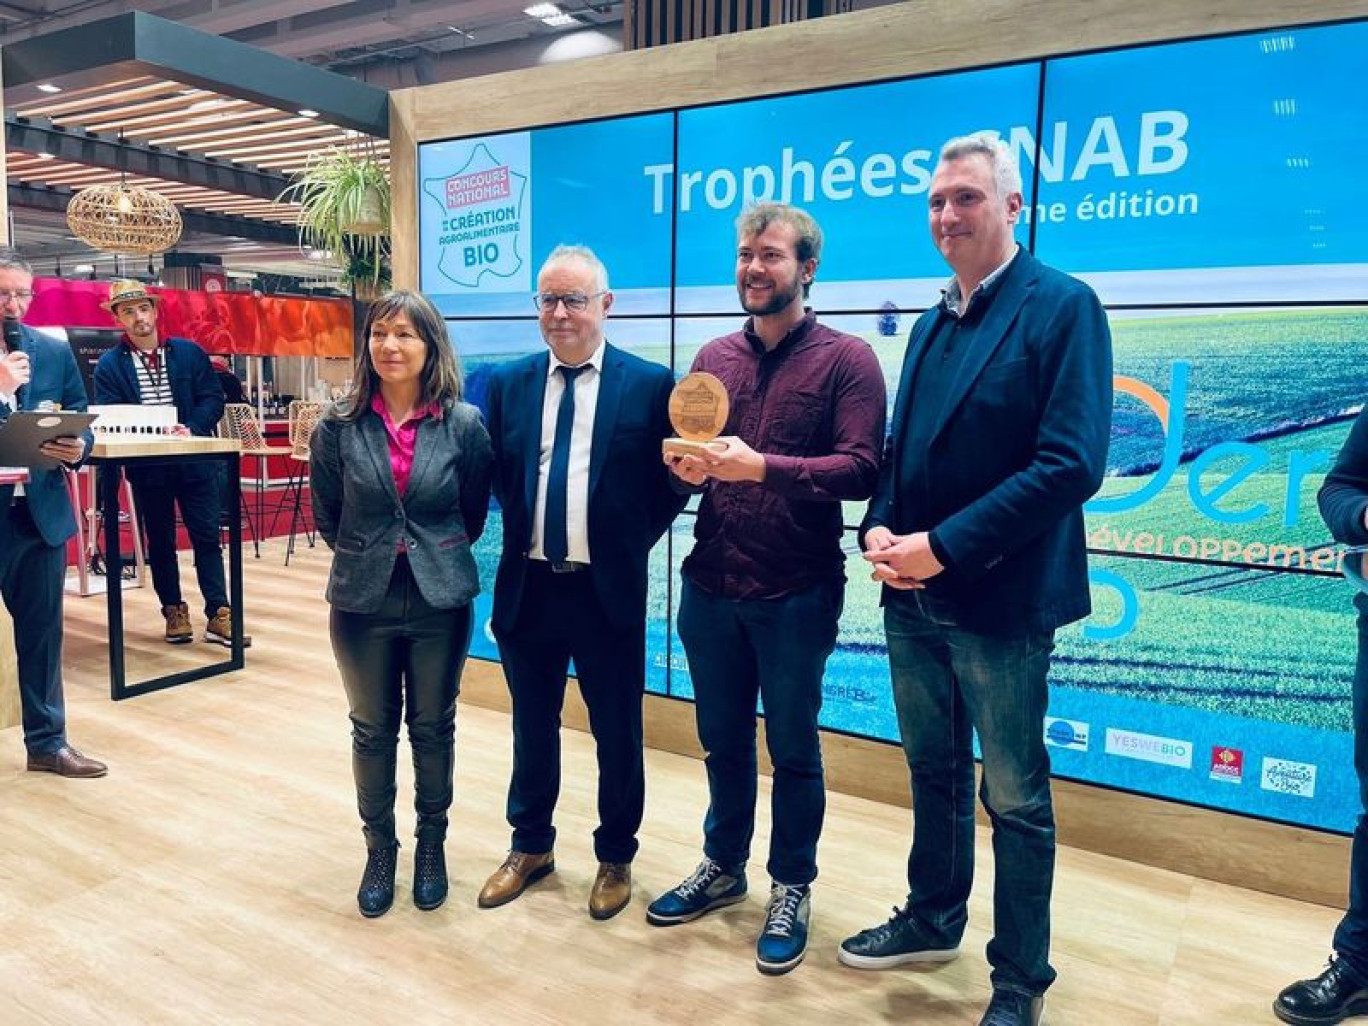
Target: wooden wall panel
887 42
9 674
404 198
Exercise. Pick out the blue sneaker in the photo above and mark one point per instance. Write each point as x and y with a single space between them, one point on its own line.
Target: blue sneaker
711 886
783 941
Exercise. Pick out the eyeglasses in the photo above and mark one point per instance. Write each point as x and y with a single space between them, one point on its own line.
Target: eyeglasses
576 301
21 294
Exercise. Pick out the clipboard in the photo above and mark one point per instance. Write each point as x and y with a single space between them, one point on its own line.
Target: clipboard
23 432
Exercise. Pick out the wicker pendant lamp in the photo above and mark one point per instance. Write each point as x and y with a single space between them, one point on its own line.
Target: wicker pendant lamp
123 219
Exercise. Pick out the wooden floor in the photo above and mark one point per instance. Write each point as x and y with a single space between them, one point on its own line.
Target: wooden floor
211 878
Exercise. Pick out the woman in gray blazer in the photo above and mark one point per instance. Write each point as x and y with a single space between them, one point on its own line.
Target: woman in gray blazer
400 487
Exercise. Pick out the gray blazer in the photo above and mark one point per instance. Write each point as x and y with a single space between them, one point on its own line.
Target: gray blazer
363 519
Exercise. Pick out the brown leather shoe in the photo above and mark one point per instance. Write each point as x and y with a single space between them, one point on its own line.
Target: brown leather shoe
612 889
66 762
178 629
219 629
519 871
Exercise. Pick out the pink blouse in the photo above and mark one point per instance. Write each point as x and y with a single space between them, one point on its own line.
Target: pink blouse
402 438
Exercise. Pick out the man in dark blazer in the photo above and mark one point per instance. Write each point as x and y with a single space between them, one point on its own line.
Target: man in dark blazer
576 433
36 520
144 369
999 435
1341 989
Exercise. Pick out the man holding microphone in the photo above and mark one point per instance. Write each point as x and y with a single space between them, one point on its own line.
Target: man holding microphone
35 522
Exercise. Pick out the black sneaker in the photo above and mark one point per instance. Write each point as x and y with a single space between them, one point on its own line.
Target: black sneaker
1012 1008
711 886
1331 997
891 944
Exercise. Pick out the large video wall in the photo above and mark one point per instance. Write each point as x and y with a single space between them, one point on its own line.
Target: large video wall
1207 190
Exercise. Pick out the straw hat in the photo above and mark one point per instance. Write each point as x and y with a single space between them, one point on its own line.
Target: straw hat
128 292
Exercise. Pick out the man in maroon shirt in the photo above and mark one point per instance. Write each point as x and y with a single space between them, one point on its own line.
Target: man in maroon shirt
764 585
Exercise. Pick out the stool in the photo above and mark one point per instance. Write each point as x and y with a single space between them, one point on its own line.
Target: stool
239 421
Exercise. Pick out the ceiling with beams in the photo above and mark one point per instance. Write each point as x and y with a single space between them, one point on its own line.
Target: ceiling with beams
345 36
222 146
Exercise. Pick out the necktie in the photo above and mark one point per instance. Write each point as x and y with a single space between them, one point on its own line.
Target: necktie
555 544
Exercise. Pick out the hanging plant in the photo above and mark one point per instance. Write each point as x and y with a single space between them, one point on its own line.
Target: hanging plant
344 208
367 277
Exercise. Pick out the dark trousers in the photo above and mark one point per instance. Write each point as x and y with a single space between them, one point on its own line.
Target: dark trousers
1351 937
776 650
195 489
561 618
32 574
404 660
947 683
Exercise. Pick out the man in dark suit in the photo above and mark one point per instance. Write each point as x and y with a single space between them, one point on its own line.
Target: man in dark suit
1341 989
35 522
999 435
576 433
144 369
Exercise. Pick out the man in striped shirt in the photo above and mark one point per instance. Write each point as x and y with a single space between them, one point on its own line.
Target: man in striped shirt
145 369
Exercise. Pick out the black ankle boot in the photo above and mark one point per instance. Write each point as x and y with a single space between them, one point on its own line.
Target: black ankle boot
429 875
376 893
1329 998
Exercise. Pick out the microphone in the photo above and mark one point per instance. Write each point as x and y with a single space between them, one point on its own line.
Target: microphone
14 343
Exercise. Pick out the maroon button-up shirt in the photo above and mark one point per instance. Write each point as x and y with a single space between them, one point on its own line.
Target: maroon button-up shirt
815 407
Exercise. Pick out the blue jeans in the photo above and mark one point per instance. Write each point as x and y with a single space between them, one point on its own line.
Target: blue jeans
775 649
948 682
1351 937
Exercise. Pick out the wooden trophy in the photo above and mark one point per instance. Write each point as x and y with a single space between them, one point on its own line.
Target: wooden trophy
698 411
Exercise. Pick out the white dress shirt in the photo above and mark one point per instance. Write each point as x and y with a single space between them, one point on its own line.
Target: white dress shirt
581 437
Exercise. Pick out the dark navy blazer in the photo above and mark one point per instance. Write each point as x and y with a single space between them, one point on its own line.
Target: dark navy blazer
195 388
1343 496
631 503
55 378
195 391
1020 443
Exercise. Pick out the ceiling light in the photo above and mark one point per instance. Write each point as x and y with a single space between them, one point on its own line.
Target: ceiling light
48 87
542 11
307 113
559 20
45 156
119 219
83 269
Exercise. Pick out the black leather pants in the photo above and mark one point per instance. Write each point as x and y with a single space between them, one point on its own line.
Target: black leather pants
403 660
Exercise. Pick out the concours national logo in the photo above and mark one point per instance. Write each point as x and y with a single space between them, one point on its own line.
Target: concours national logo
485 217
